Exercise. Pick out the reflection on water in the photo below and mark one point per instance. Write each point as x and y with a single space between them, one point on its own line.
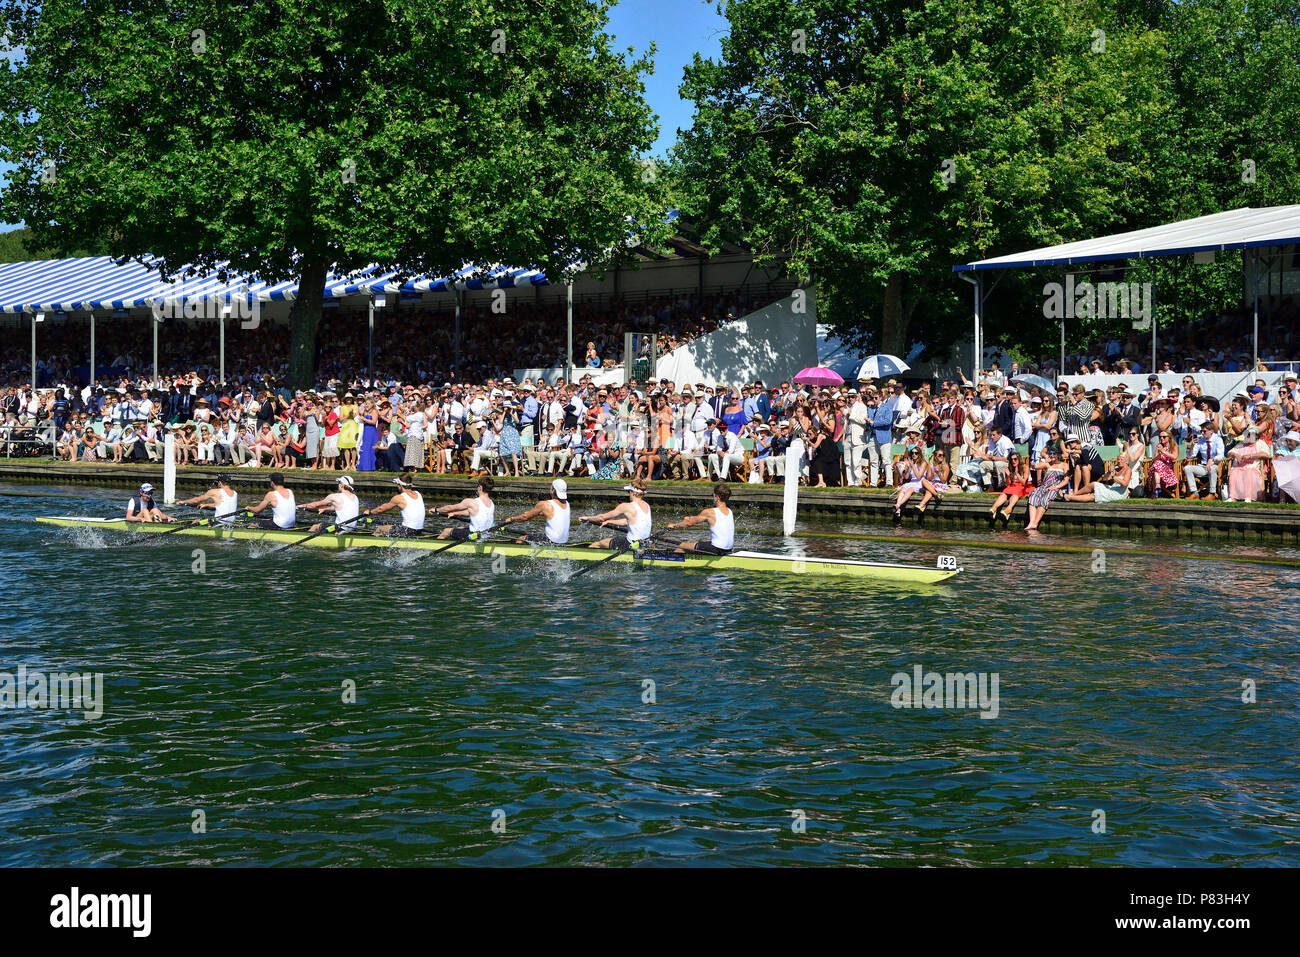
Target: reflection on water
526 692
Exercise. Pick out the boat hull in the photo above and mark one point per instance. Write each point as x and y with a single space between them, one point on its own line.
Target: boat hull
749 561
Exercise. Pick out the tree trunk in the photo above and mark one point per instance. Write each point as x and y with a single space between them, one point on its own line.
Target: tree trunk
304 319
894 322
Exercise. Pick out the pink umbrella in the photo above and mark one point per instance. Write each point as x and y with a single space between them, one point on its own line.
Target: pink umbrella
819 376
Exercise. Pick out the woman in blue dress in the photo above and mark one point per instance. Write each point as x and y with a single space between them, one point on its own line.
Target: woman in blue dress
510 446
369 436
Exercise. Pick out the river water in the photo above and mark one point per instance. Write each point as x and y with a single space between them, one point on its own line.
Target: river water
511 717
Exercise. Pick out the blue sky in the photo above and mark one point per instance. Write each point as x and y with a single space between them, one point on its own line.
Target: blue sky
679 29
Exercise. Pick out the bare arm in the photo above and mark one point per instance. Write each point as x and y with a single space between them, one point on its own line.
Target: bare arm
392 503
615 515
708 516
537 511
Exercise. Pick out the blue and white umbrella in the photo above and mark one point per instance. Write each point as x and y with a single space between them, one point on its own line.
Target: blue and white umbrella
880 366
1035 382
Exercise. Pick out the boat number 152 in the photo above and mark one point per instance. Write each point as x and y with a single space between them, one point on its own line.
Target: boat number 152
947 562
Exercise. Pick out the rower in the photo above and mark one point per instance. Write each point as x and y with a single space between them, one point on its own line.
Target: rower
722 526
284 510
556 512
410 503
343 504
634 514
221 498
142 507
479 509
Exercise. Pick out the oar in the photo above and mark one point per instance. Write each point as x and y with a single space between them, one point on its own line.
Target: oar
439 551
325 529
594 565
180 527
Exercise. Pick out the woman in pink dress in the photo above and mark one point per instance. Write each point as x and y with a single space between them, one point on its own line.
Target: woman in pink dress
1248 458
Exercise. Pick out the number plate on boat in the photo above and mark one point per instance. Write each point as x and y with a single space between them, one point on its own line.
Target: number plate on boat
947 562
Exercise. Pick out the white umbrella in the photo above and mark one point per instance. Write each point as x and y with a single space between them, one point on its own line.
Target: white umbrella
882 365
1287 470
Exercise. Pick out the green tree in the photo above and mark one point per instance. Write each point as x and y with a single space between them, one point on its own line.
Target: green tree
887 141
290 137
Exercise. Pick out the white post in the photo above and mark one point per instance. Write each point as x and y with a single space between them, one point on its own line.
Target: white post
156 321
169 469
92 349
793 467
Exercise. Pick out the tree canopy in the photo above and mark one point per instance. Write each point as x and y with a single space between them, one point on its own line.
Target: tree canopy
289 137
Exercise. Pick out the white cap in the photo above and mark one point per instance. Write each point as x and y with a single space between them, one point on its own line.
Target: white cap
345 481
561 489
1293 435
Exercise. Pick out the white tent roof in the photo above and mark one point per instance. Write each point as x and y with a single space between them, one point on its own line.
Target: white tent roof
1235 229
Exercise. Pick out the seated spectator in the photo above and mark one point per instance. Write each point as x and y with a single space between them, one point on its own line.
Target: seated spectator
1249 459
1207 455
1055 481
1020 483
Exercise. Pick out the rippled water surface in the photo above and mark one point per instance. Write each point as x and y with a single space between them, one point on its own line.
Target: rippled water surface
522 693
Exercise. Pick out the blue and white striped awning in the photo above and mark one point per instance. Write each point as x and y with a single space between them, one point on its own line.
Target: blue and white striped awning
98 282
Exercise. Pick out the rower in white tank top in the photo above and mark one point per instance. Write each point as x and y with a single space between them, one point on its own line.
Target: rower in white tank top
484 518
723 533
413 511
722 525
347 510
227 505
554 511
285 511
638 530
557 526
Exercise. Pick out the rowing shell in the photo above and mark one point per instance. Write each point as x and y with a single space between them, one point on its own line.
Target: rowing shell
754 561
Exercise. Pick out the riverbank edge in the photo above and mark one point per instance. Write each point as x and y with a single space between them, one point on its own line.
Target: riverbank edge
1245 522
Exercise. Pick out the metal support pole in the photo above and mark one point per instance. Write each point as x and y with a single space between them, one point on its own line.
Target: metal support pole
92 349
156 323
1155 324
371 347
34 320
1255 364
1062 345
568 362
221 355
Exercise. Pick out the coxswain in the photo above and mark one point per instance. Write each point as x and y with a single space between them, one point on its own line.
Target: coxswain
722 526
343 503
284 511
555 510
479 509
221 498
411 505
142 507
634 514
